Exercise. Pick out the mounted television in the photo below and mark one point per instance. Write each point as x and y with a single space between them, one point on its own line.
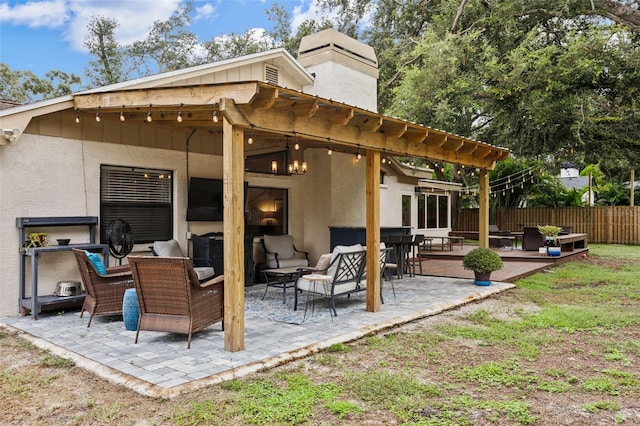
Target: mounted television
205 200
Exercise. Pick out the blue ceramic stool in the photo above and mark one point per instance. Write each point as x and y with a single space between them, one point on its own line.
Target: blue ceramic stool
130 309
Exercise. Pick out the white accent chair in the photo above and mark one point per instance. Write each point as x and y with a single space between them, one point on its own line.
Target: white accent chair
345 270
280 252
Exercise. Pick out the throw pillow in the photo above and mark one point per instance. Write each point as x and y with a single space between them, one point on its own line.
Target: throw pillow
97 262
323 262
169 248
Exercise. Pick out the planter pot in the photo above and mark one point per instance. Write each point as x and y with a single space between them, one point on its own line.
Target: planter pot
553 251
482 278
542 251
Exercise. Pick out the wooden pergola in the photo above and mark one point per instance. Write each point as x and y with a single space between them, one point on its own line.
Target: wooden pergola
269 112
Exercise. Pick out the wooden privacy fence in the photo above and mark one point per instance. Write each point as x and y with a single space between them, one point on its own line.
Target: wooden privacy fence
602 224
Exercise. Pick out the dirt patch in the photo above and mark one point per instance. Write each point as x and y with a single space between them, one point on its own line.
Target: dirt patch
36 388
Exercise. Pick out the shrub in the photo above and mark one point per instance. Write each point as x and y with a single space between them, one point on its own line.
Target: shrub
482 260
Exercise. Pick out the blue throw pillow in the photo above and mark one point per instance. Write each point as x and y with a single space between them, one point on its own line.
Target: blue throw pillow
97 262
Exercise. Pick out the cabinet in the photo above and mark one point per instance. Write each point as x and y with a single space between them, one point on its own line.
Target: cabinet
348 235
208 250
37 302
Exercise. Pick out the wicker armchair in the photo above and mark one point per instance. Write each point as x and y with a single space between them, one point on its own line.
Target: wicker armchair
171 298
104 291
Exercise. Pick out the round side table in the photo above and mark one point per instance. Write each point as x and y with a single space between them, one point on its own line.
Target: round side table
316 280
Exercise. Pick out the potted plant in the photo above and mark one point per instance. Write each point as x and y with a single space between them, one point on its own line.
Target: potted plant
550 234
482 261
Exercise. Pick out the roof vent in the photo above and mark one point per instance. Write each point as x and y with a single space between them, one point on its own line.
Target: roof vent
271 74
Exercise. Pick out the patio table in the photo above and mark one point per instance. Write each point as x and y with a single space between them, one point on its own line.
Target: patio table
283 278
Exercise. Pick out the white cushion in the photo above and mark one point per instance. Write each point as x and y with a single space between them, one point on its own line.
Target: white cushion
283 245
341 249
204 272
320 287
169 248
288 263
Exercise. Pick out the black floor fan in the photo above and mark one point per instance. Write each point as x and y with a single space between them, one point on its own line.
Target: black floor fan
120 238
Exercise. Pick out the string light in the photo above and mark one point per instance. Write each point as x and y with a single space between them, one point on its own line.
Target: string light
215 116
329 150
98 115
77 116
122 118
179 117
149 118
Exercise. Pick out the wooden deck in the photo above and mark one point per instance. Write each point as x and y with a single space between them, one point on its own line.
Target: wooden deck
517 263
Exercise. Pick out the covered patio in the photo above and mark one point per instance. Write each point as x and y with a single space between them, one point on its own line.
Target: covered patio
235 113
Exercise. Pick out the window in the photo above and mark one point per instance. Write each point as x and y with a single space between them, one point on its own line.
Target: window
142 197
406 210
267 211
422 211
437 211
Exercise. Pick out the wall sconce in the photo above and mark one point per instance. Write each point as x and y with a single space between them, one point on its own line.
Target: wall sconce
274 166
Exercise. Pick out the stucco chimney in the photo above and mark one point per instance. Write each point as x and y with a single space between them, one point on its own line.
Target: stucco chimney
345 69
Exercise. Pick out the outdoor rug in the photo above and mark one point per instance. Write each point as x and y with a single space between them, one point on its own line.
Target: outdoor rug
272 308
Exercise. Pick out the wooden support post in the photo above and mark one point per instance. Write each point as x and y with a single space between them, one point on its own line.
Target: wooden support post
233 183
483 209
373 230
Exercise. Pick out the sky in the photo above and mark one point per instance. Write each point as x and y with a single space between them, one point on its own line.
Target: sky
45 35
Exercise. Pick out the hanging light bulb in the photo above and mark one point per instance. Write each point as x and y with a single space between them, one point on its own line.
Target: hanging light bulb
358 156
149 118
77 117
329 151
296 145
122 118
98 115
179 117
384 160
215 116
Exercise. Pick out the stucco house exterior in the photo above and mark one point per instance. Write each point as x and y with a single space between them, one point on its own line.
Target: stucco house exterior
236 121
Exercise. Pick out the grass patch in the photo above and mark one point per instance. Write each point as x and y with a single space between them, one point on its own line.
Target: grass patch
343 408
382 388
592 407
467 410
279 399
337 347
57 362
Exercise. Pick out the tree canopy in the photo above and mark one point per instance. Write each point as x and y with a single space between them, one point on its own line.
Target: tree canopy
553 80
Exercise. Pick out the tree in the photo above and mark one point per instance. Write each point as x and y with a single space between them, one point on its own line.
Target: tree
540 77
108 68
168 44
24 86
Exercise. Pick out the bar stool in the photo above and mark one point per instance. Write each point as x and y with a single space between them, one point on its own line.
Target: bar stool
405 252
395 242
418 240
